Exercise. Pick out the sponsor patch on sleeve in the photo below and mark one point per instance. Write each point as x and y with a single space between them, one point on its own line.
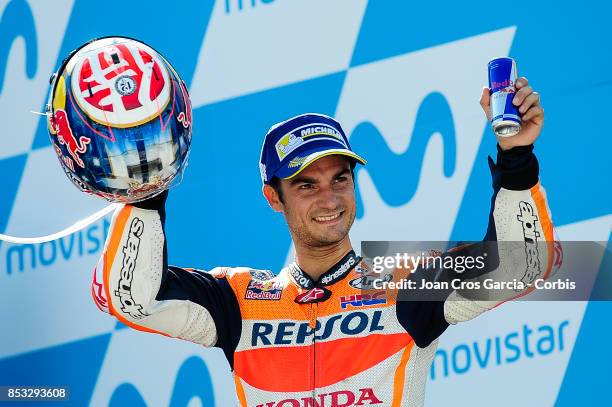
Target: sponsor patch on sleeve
261 275
264 290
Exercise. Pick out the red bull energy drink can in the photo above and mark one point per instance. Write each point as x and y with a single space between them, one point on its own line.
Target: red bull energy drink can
505 118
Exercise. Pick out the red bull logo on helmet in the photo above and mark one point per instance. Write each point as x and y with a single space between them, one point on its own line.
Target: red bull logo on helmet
65 136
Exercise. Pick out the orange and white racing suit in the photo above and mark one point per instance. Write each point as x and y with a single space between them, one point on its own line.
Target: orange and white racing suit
292 341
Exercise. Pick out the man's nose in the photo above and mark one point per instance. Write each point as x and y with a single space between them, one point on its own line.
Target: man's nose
328 198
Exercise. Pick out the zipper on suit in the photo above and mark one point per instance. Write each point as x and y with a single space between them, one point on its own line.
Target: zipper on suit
313 325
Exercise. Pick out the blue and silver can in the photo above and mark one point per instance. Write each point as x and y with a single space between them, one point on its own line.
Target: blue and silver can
505 118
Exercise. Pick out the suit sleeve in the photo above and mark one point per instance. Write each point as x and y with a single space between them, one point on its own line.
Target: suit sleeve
134 283
520 229
520 217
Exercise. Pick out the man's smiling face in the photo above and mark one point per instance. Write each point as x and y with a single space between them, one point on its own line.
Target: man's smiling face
319 202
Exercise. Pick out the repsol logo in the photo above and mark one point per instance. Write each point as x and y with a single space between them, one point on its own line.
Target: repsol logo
295 333
341 398
85 242
130 256
528 219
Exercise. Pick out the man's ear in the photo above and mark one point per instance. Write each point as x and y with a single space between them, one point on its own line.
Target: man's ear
273 198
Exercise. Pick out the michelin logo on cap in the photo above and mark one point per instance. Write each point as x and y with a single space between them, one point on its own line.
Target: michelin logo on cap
292 145
290 141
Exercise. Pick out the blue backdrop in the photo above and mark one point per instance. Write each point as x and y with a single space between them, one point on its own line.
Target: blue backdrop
404 80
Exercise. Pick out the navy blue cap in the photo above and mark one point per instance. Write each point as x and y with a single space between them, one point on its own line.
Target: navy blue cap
294 144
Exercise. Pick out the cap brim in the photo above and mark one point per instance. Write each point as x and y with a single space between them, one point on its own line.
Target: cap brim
287 172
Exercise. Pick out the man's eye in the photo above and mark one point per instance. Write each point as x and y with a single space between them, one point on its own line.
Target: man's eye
342 179
306 186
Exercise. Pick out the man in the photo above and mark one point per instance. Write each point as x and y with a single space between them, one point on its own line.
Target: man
304 337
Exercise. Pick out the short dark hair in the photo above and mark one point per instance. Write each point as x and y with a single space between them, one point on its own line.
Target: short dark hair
275 182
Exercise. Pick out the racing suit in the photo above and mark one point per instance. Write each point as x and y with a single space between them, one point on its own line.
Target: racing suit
292 341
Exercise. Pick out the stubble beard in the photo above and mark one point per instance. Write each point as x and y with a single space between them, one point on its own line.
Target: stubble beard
320 238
